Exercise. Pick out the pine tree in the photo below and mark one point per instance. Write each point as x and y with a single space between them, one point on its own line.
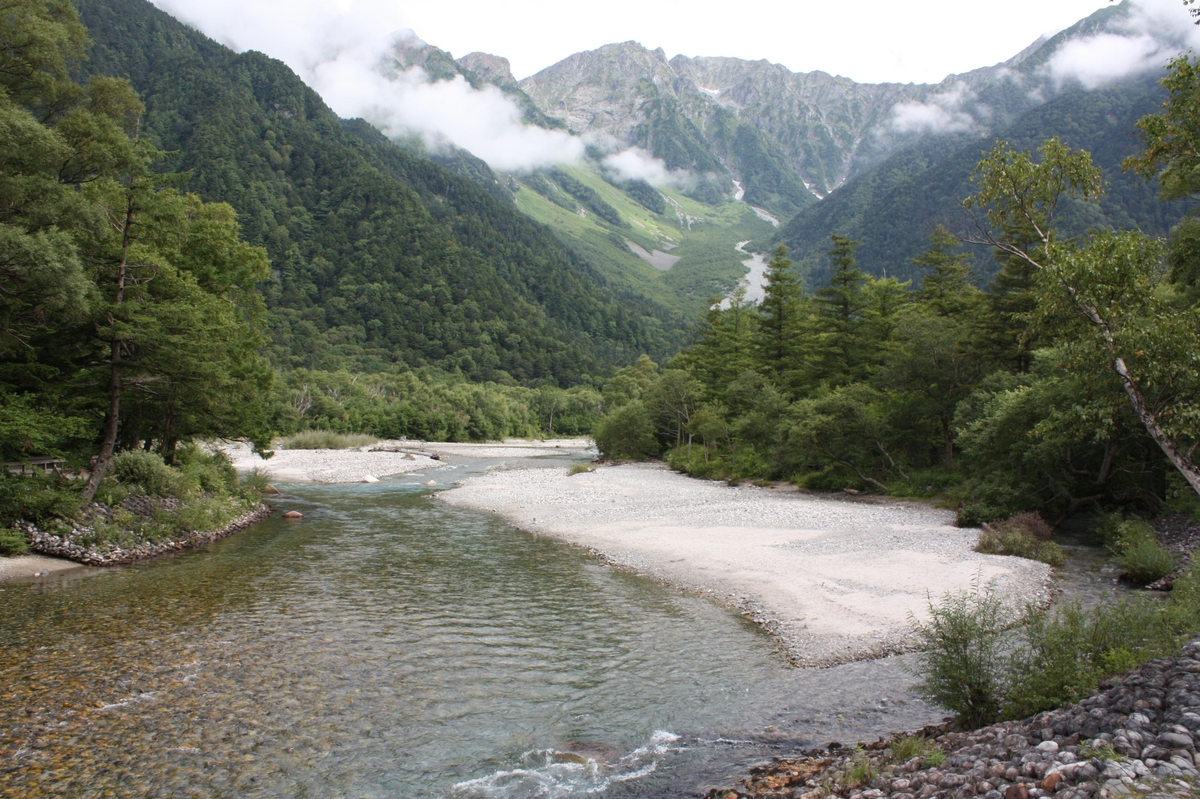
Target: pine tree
777 332
842 348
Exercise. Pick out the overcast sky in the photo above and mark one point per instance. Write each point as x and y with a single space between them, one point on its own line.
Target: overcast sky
872 41
342 49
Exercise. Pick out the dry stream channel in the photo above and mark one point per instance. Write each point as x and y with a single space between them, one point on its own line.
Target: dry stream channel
393 646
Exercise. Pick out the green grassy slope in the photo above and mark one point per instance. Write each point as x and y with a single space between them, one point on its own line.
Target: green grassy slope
703 236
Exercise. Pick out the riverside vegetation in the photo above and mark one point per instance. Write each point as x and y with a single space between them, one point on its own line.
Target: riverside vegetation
1071 383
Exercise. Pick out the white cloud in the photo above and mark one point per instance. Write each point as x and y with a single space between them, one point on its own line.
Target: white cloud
943 113
637 164
344 55
1154 32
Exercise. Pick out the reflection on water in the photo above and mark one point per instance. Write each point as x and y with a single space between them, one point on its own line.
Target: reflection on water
390 646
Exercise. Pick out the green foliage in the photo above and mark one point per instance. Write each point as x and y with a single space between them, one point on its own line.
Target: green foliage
860 770
1016 542
1025 535
976 664
1065 652
35 498
137 468
325 439
12 542
256 480
211 472
904 748
626 433
961 655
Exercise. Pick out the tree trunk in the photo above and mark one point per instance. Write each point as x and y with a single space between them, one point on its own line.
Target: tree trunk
1179 459
114 368
948 438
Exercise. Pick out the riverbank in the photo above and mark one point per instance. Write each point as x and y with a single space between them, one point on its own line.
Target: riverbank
23 567
834 580
1134 737
80 544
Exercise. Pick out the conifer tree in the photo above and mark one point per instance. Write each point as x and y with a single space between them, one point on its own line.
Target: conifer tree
840 308
777 333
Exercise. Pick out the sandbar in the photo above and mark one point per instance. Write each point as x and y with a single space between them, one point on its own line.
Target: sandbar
835 580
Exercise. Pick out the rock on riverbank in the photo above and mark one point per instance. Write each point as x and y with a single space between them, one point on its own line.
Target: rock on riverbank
1135 738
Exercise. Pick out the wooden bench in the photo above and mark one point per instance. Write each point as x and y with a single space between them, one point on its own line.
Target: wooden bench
31 465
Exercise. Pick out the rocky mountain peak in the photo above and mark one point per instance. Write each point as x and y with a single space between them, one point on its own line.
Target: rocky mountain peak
491 68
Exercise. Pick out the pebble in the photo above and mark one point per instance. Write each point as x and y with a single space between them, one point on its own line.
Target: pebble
1133 738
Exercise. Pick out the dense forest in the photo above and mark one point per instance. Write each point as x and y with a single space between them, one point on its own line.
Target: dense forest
1072 381
381 259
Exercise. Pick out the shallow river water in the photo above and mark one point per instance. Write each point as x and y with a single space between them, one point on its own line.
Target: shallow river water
391 646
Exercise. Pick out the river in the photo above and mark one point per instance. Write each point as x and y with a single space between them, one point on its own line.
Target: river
392 646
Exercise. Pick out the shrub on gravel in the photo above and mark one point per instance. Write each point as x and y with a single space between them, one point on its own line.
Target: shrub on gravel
961 657
146 470
975 663
35 498
1135 544
1026 535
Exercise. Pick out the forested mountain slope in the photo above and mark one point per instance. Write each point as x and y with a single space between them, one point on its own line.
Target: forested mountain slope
379 257
893 208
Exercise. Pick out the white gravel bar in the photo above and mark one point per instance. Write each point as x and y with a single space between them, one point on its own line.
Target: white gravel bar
329 465
835 580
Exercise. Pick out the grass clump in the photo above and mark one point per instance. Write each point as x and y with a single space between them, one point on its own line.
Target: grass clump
904 748
861 770
1026 535
1135 546
580 468
327 439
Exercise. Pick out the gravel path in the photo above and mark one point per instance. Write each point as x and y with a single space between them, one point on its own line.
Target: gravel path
835 580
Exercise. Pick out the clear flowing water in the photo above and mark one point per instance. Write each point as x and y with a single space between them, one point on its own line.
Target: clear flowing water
391 646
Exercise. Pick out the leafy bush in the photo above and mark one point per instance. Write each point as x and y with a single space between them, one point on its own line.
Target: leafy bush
971 664
211 472
1064 653
35 498
146 470
12 541
1135 545
626 433
1025 535
326 439
256 480
961 657
1147 561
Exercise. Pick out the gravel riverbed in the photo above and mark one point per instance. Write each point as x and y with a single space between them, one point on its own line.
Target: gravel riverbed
835 580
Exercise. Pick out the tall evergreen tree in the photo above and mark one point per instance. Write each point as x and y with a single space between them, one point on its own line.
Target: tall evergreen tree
777 333
840 307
